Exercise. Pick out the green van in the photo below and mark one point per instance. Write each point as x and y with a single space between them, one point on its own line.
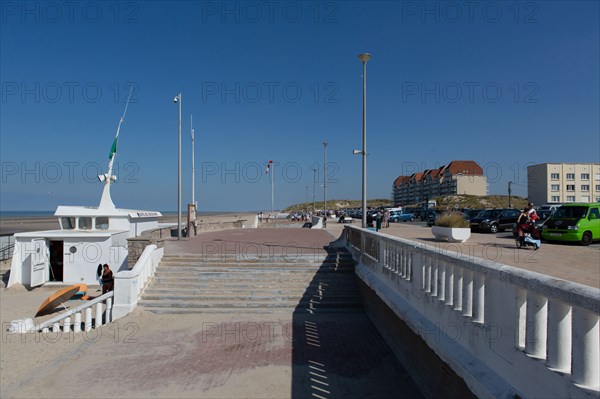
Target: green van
574 222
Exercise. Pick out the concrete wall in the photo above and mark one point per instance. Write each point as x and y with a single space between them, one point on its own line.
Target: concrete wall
505 331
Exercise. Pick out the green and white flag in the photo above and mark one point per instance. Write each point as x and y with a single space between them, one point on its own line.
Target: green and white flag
113 149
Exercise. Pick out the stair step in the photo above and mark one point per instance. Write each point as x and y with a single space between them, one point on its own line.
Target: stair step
244 311
249 304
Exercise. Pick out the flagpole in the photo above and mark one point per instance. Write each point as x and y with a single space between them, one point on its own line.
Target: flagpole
193 180
272 187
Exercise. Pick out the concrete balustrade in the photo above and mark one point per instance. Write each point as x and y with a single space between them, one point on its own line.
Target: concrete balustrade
491 323
130 284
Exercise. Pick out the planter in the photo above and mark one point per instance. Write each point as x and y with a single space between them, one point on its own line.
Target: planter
452 234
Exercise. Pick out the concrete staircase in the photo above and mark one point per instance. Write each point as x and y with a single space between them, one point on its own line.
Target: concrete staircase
197 284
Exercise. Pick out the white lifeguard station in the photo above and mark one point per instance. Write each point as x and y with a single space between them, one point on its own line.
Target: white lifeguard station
88 236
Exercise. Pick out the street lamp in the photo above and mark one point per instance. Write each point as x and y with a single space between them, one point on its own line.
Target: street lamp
177 100
325 181
364 58
509 193
314 184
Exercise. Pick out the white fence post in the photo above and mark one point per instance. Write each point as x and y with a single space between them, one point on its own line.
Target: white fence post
98 314
88 319
77 325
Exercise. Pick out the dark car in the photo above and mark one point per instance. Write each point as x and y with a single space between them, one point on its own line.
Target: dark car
495 220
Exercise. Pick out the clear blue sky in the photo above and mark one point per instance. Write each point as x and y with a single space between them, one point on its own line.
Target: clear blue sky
505 84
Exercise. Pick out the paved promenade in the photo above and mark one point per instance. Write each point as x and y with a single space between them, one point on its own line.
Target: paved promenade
571 262
326 355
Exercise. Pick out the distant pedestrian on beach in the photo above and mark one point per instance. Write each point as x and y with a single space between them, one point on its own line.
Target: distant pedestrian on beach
108 282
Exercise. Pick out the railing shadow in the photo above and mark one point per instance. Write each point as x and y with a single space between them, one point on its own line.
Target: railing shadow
336 350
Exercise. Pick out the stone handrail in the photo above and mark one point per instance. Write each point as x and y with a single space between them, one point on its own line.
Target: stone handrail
526 333
130 284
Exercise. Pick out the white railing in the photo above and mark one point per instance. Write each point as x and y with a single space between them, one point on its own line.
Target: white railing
130 284
83 318
501 328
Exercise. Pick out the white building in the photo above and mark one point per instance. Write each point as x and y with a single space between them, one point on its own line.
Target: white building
563 182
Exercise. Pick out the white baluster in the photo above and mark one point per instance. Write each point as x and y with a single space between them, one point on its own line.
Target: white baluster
478 297
521 299
55 327
67 324
442 282
536 327
586 348
458 288
559 336
108 310
450 285
45 330
77 325
88 319
98 314
467 308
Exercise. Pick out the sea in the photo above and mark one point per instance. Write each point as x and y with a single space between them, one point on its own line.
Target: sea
45 214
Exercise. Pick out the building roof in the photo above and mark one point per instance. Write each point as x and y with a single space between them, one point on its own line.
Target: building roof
470 168
401 180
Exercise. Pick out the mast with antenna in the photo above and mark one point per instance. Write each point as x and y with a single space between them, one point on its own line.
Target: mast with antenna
106 201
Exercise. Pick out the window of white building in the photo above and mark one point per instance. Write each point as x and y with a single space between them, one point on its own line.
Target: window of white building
555 198
570 176
68 223
556 176
570 198
585 176
570 187
102 223
585 187
85 223
555 187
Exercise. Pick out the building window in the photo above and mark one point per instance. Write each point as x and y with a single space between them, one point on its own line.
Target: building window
102 223
555 198
85 223
597 177
555 187
597 187
570 198
585 187
585 176
67 223
570 187
570 176
554 176
585 198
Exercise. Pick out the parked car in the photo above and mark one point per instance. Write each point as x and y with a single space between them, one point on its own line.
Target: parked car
345 218
398 216
495 220
574 222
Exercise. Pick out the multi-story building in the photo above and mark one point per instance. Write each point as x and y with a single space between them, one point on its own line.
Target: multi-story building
456 177
563 182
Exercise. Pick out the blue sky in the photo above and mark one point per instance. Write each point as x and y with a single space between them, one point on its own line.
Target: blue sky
506 84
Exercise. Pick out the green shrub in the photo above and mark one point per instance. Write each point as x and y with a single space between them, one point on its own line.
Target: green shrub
451 219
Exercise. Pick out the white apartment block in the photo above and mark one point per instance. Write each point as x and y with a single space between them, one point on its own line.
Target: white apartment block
549 183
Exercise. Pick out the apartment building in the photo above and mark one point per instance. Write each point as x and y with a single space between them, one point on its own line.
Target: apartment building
456 177
563 182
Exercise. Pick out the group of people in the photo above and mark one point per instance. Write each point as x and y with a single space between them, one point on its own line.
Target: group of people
528 215
105 275
261 218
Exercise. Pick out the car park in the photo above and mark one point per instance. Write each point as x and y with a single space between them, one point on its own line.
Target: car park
495 220
574 222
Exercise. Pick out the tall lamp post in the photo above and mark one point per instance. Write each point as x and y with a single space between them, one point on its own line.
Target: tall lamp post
509 193
325 180
364 58
314 184
177 100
